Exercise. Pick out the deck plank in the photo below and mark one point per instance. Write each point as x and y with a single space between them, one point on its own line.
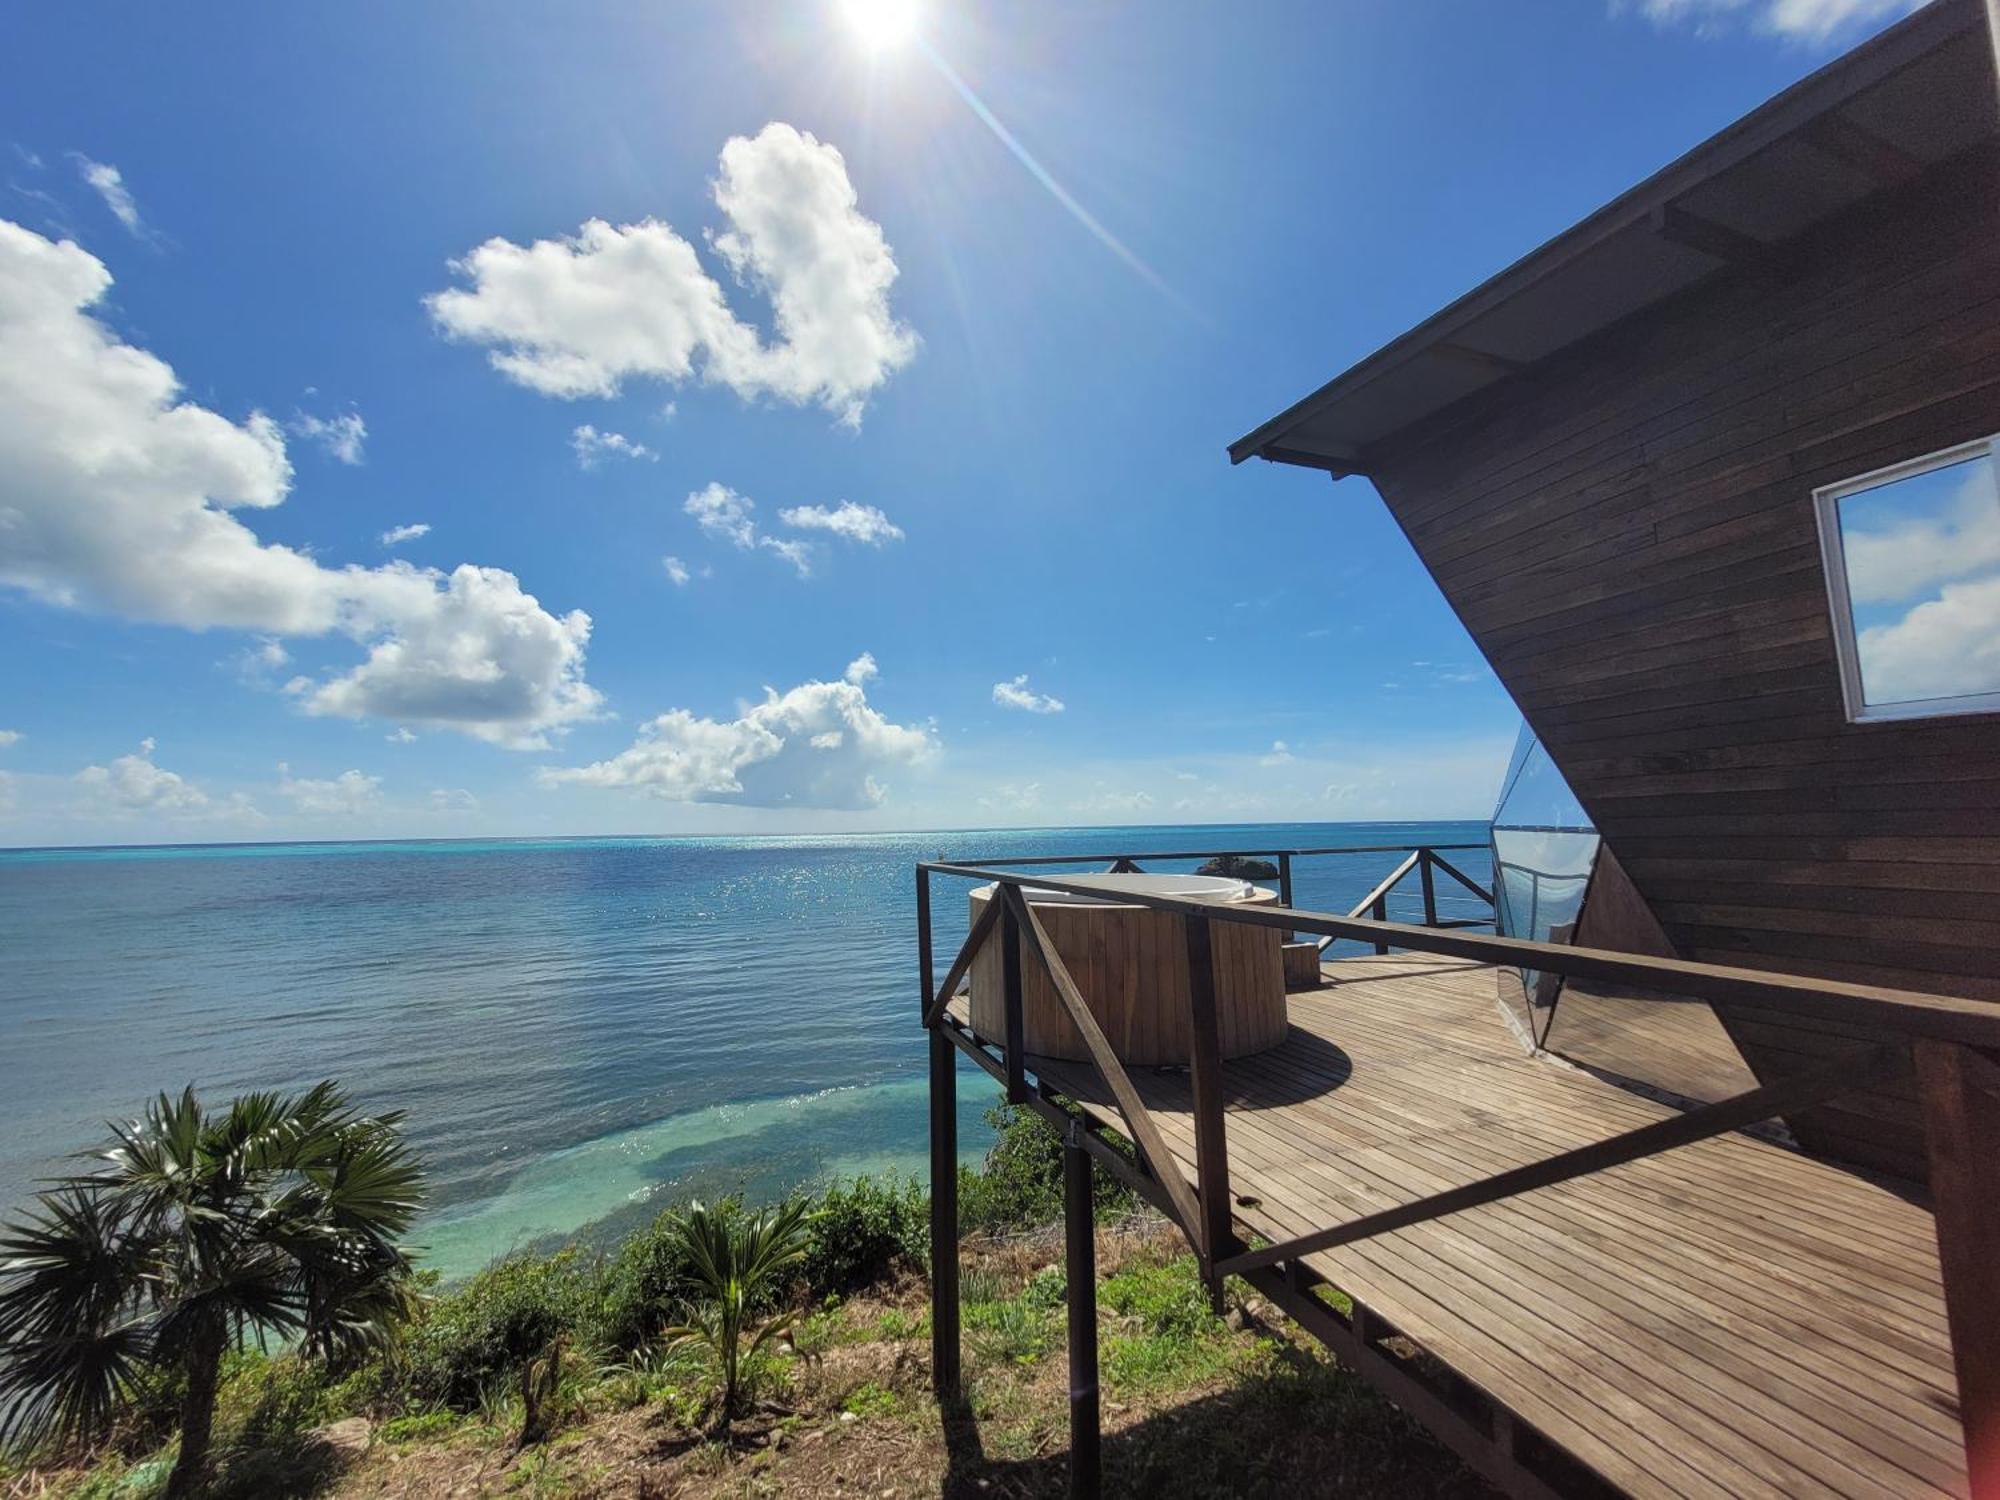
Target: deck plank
1728 1319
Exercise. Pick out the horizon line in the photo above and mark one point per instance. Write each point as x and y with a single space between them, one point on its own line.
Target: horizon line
574 838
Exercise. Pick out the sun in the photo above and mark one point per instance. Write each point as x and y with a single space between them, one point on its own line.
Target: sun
881 24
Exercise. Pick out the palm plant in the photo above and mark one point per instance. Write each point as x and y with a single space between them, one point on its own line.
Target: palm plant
195 1231
736 1263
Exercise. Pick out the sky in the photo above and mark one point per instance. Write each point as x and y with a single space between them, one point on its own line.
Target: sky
766 416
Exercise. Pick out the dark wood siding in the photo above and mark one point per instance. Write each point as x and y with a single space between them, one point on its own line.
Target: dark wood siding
1628 533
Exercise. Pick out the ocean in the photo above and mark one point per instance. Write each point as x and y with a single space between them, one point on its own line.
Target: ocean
581 1030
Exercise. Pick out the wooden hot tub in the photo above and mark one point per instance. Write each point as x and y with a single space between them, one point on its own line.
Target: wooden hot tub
1130 963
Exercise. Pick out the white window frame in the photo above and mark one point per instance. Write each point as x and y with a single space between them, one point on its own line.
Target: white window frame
1826 511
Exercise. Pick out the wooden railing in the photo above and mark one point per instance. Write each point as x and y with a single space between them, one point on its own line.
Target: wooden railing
1951 1041
1427 863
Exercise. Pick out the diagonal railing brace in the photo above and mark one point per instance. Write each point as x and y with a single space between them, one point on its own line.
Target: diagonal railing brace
974 940
1145 1134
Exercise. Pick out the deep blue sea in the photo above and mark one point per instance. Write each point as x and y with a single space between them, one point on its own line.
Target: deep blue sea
579 1029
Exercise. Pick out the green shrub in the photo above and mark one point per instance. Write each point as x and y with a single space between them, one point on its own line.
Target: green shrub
872 1400
818 1331
895 1325
1020 1184
1180 1342
650 1281
489 1329
862 1230
1169 1300
1015 1332
1048 1287
1162 1362
415 1429
742 1263
267 1396
980 1284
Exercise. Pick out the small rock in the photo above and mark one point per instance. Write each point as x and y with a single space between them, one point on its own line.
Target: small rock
848 1417
1240 868
349 1436
1238 1319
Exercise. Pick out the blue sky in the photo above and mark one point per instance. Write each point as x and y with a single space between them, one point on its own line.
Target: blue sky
277 282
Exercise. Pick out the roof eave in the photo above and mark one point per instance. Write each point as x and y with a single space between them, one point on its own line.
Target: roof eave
1819 93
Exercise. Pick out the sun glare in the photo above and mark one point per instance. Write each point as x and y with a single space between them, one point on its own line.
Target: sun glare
881 24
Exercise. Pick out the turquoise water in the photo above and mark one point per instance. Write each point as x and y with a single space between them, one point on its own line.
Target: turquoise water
580 1029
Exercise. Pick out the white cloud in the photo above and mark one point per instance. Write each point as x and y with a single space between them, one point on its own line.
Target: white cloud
1013 799
475 654
1113 802
1944 647
453 799
1280 755
9 738
133 784
256 662
593 447
859 671
857 523
729 517
579 316
677 571
798 554
723 514
1799 20
400 735
341 436
1910 554
118 496
820 745
395 536
344 795
109 184
1017 694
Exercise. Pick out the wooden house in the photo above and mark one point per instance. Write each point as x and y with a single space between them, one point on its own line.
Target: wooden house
1710 480
1629 462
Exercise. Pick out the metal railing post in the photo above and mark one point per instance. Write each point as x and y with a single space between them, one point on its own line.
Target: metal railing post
946 1378
1285 878
1080 1274
1010 995
1380 912
1430 888
925 978
1211 1147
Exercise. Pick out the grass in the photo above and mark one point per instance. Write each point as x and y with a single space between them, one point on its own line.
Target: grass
1192 1406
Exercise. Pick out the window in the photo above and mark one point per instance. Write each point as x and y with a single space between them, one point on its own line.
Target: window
1913 570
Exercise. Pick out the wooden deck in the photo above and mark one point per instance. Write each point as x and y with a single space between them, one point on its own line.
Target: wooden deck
1727 1319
